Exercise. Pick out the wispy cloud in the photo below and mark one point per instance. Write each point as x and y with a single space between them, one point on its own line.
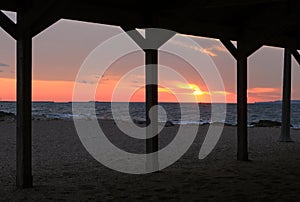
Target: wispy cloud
83 81
221 92
103 77
263 94
193 47
211 51
86 82
219 48
3 65
263 90
164 90
197 37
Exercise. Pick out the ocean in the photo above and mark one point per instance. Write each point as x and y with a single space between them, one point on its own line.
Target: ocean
256 111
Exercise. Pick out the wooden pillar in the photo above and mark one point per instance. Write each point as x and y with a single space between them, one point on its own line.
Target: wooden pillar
24 69
242 130
296 55
243 50
150 45
151 57
286 98
8 25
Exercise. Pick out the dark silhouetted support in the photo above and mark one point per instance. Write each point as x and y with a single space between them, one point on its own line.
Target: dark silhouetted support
24 62
242 130
241 54
296 55
8 25
230 47
46 13
286 98
151 57
150 44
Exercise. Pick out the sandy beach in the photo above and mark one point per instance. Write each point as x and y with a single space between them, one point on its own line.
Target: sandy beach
64 171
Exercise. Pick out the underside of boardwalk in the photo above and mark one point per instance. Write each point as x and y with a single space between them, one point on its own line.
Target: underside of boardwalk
252 23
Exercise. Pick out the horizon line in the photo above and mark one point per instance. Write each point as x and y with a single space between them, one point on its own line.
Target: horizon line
52 101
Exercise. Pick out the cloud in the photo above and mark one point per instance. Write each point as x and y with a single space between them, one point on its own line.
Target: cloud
3 65
219 48
104 78
83 81
211 51
263 94
1 71
164 90
86 82
93 79
198 37
221 92
193 47
263 90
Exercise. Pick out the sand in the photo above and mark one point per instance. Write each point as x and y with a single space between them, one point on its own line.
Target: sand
64 171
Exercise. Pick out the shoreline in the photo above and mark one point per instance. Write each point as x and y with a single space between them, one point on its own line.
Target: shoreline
4 117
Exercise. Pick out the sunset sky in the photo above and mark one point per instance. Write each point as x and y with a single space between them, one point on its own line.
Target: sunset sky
59 52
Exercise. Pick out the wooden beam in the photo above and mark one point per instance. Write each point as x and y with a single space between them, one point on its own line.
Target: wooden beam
103 15
190 8
152 41
43 15
151 74
241 53
286 98
151 57
169 20
283 41
37 11
235 3
136 20
230 47
9 5
276 20
267 16
253 43
24 76
201 28
253 47
296 55
8 25
135 35
242 130
43 24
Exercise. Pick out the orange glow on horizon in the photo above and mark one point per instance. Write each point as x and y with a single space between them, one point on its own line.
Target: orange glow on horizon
61 91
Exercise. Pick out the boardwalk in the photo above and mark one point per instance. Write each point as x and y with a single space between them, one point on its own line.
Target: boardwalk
252 23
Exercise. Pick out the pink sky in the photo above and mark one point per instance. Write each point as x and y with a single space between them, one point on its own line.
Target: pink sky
59 51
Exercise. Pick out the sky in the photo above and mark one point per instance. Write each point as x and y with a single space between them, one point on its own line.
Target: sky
60 52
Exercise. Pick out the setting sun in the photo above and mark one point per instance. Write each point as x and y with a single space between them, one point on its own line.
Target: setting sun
195 88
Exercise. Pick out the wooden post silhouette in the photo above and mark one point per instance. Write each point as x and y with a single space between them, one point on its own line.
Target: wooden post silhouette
241 54
286 98
242 130
151 57
24 71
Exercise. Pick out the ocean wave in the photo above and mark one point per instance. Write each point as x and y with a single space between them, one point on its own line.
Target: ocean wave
63 111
